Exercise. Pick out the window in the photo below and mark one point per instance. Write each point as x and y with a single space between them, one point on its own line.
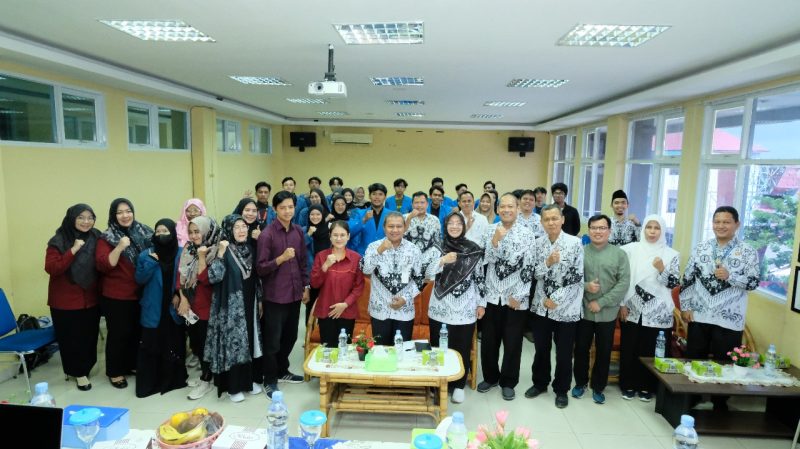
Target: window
752 163
260 139
592 168
80 116
564 159
651 172
229 136
157 127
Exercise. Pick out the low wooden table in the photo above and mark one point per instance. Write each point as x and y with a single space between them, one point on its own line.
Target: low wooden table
412 389
674 398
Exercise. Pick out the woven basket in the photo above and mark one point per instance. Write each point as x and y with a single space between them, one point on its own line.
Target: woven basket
205 443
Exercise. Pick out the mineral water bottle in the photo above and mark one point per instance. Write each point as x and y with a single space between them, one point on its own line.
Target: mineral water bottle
770 361
398 345
685 437
277 423
43 398
661 345
342 345
443 338
457 432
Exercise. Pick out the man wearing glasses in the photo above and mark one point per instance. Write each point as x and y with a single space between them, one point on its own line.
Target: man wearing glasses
572 220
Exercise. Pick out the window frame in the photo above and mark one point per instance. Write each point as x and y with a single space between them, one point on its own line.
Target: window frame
225 121
589 159
568 161
152 123
255 139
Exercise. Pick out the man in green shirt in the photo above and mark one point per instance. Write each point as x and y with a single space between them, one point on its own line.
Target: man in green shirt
607 278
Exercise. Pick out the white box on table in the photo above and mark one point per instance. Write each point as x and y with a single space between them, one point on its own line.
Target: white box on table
241 437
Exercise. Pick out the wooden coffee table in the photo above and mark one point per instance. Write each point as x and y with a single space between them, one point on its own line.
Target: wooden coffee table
778 420
413 389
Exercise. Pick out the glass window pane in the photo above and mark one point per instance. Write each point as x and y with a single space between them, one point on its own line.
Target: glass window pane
265 141
776 127
559 172
668 201
220 135
639 190
727 138
27 111
172 129
232 138
643 139
600 151
721 191
673 136
573 142
769 221
138 125
586 191
588 146
80 121
561 147
252 137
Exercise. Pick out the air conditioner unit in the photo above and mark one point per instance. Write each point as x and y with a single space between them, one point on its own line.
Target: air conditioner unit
362 139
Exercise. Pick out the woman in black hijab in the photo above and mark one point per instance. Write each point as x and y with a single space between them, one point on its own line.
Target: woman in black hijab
72 292
457 300
160 367
338 210
317 239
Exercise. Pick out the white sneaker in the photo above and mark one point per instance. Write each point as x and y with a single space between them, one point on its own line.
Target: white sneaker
193 382
193 361
458 396
200 390
238 397
256 389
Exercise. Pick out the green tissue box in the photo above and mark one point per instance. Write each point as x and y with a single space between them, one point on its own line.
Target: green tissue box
381 364
706 368
782 362
670 366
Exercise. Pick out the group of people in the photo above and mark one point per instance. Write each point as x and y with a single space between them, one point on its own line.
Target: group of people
510 262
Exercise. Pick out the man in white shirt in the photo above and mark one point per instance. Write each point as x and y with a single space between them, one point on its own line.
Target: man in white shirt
476 223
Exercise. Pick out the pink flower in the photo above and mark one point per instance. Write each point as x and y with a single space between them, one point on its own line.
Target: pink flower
734 358
523 432
746 354
729 353
501 416
480 435
473 445
757 365
737 350
533 444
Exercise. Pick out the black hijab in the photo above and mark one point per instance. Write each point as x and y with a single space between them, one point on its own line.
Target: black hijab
82 270
167 250
344 216
321 235
240 252
350 205
322 201
469 254
138 233
250 226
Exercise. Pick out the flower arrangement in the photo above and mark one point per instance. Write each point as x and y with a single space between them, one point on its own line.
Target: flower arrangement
497 438
742 357
363 343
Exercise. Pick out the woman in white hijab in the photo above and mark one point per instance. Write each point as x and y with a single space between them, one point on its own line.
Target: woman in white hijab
647 307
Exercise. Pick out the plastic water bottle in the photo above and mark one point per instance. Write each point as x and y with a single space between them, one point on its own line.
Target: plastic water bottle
457 432
685 437
277 423
661 345
43 398
398 345
443 334
342 345
770 361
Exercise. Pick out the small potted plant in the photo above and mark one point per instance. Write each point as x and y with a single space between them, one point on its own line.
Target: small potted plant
743 360
363 344
498 438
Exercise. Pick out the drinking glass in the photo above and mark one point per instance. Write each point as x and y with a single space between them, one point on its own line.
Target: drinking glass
86 422
311 423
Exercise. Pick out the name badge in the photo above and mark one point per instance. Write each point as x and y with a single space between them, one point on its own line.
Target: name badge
404 276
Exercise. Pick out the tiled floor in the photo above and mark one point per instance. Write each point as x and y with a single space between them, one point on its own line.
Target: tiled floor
582 425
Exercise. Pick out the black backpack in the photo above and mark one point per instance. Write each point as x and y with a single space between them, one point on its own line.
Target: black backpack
26 322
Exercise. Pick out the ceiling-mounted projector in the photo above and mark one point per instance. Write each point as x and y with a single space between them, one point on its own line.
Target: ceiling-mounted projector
328 87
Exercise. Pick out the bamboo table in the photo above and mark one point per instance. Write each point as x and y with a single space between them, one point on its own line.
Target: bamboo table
348 387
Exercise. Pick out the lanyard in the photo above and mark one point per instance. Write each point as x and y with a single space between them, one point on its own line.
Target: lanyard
718 260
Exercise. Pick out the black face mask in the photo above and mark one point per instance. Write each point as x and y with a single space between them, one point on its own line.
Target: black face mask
164 239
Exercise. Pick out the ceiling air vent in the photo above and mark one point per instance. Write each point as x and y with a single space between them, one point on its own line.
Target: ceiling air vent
361 139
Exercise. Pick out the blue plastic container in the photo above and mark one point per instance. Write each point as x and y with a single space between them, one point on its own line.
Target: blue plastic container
114 425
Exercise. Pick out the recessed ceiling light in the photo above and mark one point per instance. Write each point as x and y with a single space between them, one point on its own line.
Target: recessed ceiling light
307 100
332 113
505 104
406 102
529 82
381 33
486 116
397 81
160 30
626 36
261 80
410 114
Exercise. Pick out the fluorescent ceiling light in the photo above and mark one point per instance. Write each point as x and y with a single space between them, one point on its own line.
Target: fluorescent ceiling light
10 112
261 80
486 116
529 82
410 114
332 113
625 36
505 104
381 33
307 100
160 30
406 102
397 81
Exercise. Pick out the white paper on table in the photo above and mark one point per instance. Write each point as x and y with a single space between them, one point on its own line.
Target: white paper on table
135 439
354 444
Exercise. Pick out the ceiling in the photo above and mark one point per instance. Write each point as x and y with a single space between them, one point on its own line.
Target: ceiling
471 51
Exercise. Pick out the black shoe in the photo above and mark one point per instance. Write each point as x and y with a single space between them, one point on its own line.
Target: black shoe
119 383
528 336
562 400
508 393
532 392
484 386
269 389
83 383
291 378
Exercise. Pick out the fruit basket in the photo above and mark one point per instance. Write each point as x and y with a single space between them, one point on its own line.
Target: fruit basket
193 429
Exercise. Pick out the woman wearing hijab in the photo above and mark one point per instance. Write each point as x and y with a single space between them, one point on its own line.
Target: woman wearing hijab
193 207
162 349
360 200
315 197
487 209
317 239
349 196
117 252
338 210
647 307
233 346
248 210
195 292
72 292
457 298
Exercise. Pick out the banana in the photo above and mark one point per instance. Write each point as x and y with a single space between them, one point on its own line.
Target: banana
169 435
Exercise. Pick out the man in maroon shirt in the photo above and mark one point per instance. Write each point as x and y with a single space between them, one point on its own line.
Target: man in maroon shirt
282 262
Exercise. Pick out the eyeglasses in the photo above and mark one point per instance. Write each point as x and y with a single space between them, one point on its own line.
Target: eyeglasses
240 228
85 219
125 212
598 228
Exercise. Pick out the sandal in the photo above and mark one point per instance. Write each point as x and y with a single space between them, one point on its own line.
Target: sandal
122 383
83 383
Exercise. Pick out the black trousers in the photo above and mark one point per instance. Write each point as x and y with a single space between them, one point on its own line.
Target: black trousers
313 294
545 332
76 334
639 341
197 342
122 340
279 337
459 338
502 324
329 329
603 336
384 330
703 339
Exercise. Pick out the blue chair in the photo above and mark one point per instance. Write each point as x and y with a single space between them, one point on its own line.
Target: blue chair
21 343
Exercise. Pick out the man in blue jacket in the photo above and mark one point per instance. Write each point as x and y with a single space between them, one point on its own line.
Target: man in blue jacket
438 206
366 225
399 202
